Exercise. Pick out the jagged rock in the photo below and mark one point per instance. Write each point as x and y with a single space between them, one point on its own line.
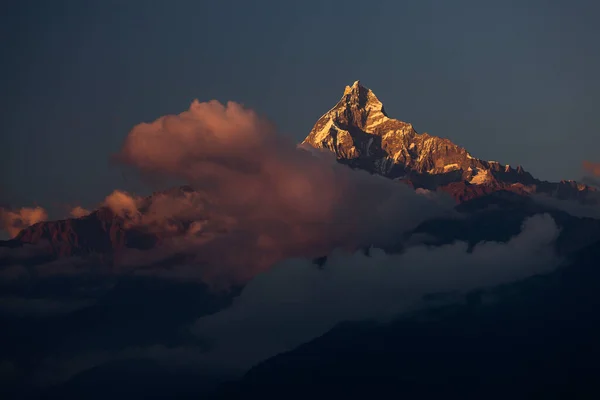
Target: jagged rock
361 134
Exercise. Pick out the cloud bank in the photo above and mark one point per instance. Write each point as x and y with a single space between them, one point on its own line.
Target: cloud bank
574 208
258 193
295 301
254 198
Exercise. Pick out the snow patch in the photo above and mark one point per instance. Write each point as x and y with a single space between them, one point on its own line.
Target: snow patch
369 146
375 122
451 167
481 177
385 165
398 155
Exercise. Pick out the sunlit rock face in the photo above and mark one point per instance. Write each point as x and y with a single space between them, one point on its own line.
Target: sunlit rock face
361 134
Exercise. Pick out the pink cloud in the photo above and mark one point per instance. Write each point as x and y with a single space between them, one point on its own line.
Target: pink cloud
15 221
259 197
79 212
592 168
122 203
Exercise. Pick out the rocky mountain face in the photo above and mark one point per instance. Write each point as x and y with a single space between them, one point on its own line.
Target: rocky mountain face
102 232
361 134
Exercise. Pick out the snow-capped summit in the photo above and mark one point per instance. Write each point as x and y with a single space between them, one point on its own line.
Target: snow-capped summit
360 132
358 128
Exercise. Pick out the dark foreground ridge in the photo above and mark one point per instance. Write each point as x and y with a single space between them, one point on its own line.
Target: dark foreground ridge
534 339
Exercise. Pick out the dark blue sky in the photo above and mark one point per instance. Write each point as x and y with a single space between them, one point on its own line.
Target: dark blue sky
513 81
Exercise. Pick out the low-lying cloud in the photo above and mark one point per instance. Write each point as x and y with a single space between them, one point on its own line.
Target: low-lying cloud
253 198
259 197
574 208
14 222
295 301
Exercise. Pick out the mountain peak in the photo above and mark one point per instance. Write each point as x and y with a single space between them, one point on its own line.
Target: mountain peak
356 87
348 128
360 97
360 133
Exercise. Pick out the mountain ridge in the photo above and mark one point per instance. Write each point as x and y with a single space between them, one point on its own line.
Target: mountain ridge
361 134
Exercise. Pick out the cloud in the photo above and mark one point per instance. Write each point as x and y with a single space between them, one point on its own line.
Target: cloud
574 208
79 212
14 222
260 193
593 171
121 203
24 252
295 301
592 168
254 198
